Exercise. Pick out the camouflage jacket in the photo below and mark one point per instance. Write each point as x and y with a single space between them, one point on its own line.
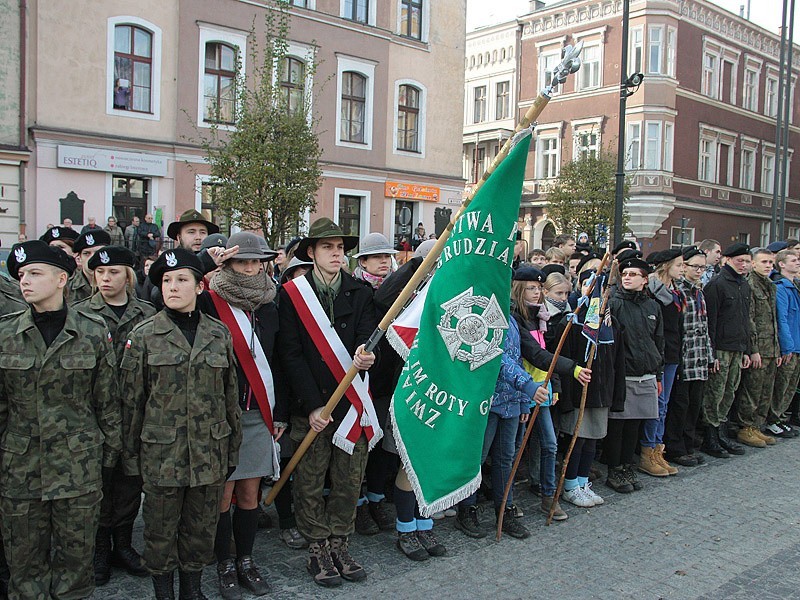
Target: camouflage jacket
763 319
120 327
10 297
59 407
181 421
79 288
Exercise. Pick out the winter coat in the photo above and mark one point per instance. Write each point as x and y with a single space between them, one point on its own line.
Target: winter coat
728 302
763 322
540 357
788 315
116 234
643 331
697 352
515 387
672 318
79 288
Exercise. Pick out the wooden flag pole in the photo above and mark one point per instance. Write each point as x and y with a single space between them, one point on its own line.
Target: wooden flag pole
569 64
532 420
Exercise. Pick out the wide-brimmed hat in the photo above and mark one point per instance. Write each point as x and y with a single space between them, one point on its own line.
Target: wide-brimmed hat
374 243
294 264
249 246
321 229
190 216
264 245
215 240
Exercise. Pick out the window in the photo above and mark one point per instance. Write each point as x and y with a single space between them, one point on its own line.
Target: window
351 210
589 74
478 166
292 81
356 10
707 171
771 97
750 89
764 241
129 198
300 3
353 107
747 172
636 51
219 88
652 145
479 104
634 146
587 144
710 75
503 106
548 162
672 42
668 140
744 238
767 173
208 206
547 63
408 119
681 236
411 18
133 66
655 50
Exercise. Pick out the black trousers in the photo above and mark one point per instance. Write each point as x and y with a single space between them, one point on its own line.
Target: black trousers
619 445
122 497
683 413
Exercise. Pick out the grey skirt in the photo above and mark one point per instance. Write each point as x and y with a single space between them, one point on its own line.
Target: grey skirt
255 453
593 427
641 400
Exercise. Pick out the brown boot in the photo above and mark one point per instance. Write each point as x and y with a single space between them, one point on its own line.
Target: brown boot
659 455
320 564
649 464
770 441
750 437
345 564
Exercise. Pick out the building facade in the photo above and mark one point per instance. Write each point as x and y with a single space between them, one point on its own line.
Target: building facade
119 92
700 131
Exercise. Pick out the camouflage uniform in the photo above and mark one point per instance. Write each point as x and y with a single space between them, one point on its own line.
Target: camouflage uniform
756 386
182 430
10 297
59 425
122 494
79 288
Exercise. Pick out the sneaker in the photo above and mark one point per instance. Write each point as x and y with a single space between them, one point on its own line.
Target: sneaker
409 544
382 515
577 497
250 578
320 565
632 477
558 513
365 524
432 545
701 460
789 430
450 512
467 522
438 515
516 511
513 527
776 430
617 480
228 580
684 460
536 489
292 538
345 564
587 489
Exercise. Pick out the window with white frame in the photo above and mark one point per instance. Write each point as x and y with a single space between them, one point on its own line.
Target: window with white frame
354 110
479 104
547 62
637 48
652 145
794 233
587 144
133 68
411 18
747 174
589 74
548 157
707 169
771 97
408 118
502 100
655 50
293 84
634 158
710 75
750 89
767 173
672 48
356 10
669 132
764 241
681 236
351 210
222 55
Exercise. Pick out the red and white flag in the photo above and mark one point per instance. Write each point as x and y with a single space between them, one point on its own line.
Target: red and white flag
403 330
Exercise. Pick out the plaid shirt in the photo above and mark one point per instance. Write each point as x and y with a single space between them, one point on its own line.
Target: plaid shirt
697 351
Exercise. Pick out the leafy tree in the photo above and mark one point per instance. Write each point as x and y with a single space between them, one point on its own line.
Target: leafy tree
266 165
582 198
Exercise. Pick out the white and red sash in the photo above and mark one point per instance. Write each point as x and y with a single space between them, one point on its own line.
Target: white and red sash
253 362
361 416
403 330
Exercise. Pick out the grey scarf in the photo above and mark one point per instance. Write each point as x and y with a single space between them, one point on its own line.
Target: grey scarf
247 292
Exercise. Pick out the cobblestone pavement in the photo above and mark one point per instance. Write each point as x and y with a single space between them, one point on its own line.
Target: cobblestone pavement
729 530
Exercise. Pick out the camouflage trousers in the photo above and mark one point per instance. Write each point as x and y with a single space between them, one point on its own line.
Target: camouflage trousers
180 524
49 546
316 518
755 396
720 388
786 380
122 497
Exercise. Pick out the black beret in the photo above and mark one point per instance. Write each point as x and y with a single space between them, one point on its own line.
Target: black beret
625 244
554 268
529 274
172 260
737 249
585 259
112 255
91 239
691 252
583 247
585 275
627 253
777 246
59 233
663 256
635 263
37 251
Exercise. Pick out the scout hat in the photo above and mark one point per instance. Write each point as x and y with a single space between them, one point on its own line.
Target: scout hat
424 248
374 243
59 233
190 216
112 256
737 249
179 258
249 247
37 251
293 264
215 240
529 274
91 239
321 229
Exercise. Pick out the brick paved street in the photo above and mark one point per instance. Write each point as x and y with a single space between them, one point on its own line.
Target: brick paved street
727 530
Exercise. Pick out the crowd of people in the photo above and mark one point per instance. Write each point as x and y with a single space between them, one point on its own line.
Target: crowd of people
178 382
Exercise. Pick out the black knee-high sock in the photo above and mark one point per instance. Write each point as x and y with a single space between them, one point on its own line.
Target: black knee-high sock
245 525
222 543
404 503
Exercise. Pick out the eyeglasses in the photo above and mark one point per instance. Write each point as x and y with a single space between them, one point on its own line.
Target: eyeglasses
631 274
695 267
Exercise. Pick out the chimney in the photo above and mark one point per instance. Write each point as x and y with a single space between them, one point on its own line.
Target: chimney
536 5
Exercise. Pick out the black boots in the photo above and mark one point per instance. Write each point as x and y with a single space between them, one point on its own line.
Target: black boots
102 556
190 585
711 445
124 555
727 443
163 587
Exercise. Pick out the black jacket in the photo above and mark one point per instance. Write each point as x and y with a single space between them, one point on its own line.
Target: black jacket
539 357
672 317
728 303
311 380
642 332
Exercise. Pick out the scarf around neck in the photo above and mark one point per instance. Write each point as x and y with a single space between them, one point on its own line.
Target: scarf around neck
247 292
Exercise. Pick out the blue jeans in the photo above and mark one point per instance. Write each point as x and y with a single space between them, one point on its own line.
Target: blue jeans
548 447
653 429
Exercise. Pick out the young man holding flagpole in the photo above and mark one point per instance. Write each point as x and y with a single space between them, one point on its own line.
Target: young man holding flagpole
325 319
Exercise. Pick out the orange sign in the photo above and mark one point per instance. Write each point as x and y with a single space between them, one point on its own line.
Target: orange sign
410 191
